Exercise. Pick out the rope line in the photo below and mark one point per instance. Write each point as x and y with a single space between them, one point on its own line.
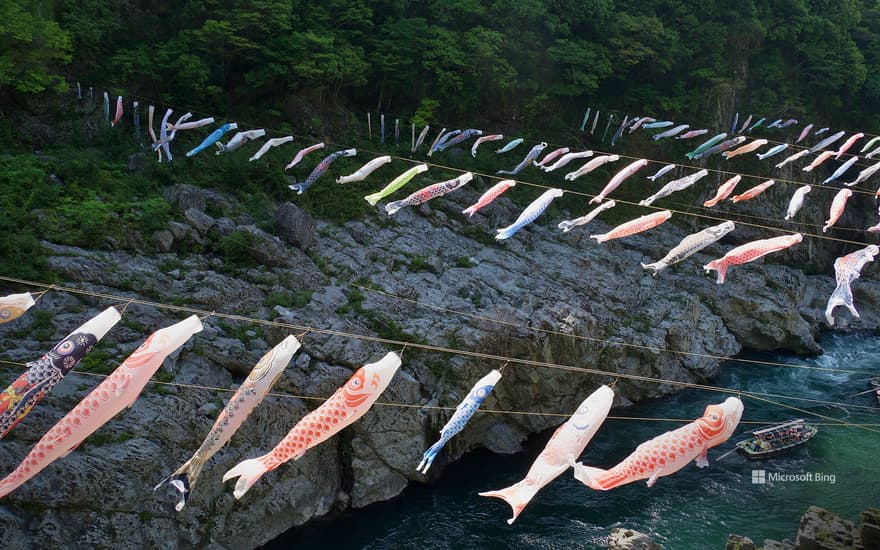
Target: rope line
466 353
306 330
596 340
451 409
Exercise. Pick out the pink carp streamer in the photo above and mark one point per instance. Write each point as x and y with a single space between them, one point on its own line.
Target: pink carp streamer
569 441
302 153
632 227
116 392
724 191
486 198
669 452
119 112
750 252
349 403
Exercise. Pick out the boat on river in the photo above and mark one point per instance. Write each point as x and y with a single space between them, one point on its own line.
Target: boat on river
774 440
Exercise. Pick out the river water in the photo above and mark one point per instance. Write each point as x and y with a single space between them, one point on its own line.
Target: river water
694 508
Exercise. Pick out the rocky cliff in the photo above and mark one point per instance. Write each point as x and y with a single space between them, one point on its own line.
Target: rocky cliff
822 530
587 300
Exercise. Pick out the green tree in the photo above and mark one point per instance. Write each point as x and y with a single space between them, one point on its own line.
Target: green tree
32 48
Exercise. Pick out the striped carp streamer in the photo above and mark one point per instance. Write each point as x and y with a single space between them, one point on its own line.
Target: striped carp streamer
442 140
567 442
42 375
720 148
13 306
246 399
319 170
669 452
430 192
118 391
460 417
349 403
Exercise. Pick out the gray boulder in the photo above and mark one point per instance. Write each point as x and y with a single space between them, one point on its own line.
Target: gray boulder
295 225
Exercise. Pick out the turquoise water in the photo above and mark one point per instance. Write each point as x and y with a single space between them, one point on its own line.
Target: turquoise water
694 508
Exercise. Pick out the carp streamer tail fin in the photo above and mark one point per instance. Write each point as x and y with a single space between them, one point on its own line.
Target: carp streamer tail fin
183 480
248 472
517 496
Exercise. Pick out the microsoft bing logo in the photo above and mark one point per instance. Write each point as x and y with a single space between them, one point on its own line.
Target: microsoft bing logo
762 477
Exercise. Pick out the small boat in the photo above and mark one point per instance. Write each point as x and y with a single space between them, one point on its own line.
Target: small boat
774 440
875 384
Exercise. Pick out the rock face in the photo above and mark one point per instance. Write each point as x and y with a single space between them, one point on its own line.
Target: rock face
559 299
823 530
737 542
869 530
628 539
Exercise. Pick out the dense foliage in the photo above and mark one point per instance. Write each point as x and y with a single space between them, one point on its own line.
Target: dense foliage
508 60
